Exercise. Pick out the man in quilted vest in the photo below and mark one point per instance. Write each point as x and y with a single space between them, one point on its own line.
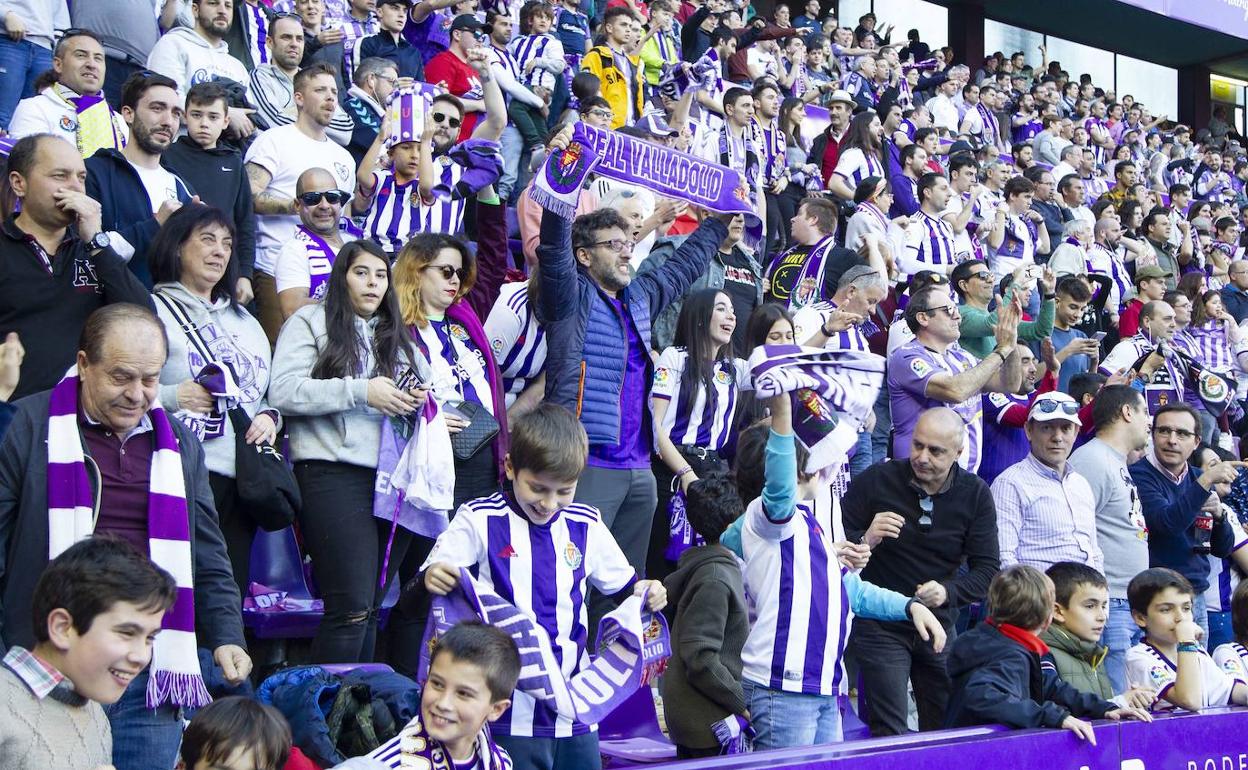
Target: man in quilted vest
597 319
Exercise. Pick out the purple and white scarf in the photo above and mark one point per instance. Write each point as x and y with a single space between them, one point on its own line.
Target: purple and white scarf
633 648
414 490
833 392
413 747
992 129
175 678
660 169
809 281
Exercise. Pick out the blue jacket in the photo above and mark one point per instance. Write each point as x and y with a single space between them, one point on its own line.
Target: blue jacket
1170 510
997 680
125 207
407 58
1236 302
587 350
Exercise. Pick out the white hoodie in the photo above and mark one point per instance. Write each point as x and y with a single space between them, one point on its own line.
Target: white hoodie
188 58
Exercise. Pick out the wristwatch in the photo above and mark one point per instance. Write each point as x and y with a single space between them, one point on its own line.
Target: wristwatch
98 242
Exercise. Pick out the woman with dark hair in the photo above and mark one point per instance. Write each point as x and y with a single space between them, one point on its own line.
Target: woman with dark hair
861 155
1216 336
340 369
194 274
693 403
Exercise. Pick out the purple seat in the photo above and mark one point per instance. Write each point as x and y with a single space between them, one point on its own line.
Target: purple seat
630 735
277 562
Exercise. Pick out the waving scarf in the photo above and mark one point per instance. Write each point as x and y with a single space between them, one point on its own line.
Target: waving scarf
175 676
623 158
415 486
833 391
633 647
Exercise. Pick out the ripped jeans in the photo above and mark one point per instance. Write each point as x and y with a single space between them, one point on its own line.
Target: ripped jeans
347 545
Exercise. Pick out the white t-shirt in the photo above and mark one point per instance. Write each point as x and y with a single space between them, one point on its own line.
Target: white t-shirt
299 259
286 152
160 186
1146 666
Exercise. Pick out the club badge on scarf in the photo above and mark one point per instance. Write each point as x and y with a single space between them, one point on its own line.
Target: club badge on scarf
633 649
681 535
623 158
833 391
218 379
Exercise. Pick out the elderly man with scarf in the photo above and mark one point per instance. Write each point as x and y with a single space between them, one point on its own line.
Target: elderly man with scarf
98 454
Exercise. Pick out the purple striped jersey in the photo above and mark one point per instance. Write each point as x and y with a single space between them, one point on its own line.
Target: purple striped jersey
256 23
1102 261
459 369
929 243
525 48
771 142
517 339
811 318
909 369
444 215
546 572
394 214
707 419
503 58
1092 124
798 599
354 31
1212 348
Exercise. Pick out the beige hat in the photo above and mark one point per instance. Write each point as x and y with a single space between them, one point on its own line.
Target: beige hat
841 95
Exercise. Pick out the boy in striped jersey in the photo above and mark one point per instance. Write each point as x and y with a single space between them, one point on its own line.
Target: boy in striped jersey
800 593
538 550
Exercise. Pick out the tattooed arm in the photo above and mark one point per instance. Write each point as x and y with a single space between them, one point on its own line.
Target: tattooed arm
267 201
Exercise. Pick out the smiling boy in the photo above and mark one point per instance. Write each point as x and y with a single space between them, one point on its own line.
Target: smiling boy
99 606
538 550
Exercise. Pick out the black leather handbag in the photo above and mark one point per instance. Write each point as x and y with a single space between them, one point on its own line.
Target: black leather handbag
266 486
481 429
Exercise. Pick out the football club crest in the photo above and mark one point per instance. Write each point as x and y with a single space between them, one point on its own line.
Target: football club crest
458 332
567 169
68 123
572 556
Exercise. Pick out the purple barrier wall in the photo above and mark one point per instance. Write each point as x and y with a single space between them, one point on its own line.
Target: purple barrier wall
1214 740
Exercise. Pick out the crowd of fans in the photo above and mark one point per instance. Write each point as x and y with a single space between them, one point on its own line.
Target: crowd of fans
1010 300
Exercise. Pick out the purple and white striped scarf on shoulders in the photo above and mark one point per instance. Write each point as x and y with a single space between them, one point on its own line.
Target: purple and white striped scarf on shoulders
175 678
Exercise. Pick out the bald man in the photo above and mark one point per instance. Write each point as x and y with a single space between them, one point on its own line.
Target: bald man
922 516
302 267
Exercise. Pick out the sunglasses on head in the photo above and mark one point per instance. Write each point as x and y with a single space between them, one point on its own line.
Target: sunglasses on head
335 197
1049 406
447 271
442 117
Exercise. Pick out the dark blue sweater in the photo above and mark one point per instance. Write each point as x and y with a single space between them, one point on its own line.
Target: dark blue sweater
1170 510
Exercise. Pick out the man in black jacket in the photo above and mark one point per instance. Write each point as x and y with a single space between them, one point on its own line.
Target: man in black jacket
215 170
120 354
55 268
922 517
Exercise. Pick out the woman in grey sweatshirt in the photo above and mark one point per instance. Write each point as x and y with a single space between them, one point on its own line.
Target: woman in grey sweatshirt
194 271
340 368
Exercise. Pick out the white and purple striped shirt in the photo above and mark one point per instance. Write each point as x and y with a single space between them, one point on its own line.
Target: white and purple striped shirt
1212 349
394 214
459 369
1044 517
526 48
256 23
444 215
517 339
812 318
546 572
930 245
355 30
854 165
706 420
1102 261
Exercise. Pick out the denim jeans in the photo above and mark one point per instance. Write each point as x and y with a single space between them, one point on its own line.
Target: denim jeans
883 427
1120 634
862 458
783 719
20 64
512 148
1200 614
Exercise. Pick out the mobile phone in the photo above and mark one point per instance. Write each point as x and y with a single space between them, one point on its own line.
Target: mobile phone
1099 336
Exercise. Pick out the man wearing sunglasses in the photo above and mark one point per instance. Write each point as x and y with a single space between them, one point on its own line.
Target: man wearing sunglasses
922 517
1045 510
304 263
462 70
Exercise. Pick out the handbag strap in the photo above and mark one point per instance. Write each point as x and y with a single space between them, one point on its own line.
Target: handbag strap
189 328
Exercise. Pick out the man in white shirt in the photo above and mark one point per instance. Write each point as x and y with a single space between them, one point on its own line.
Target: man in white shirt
942 108
271 87
275 161
73 107
1070 157
1071 191
191 56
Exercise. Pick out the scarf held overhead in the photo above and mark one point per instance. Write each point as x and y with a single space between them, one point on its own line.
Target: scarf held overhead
633 647
623 158
175 678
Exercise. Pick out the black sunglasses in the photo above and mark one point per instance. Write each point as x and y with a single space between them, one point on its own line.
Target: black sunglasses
442 117
447 271
335 197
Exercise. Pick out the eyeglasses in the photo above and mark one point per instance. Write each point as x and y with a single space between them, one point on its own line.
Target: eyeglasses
390 80
949 310
1165 431
618 245
442 117
335 197
601 113
447 271
1049 406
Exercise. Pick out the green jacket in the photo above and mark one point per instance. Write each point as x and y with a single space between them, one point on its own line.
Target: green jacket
978 328
1078 663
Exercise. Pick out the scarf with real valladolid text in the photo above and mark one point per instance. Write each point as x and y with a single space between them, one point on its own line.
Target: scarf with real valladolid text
175 678
633 648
